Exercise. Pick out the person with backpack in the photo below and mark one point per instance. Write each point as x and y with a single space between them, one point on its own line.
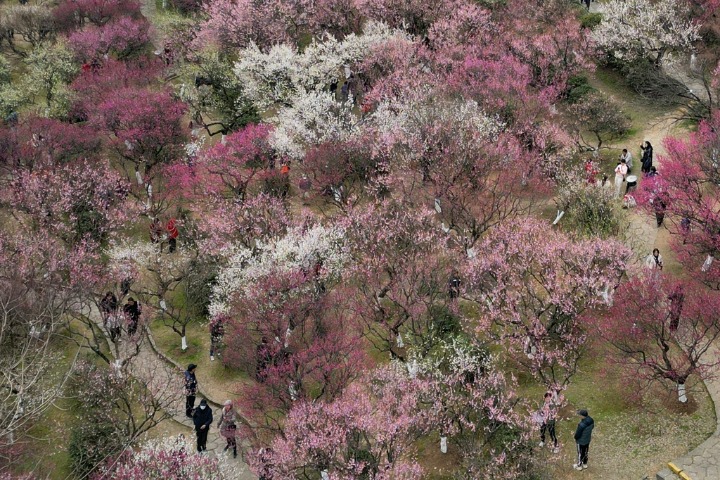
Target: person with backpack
202 419
191 388
583 435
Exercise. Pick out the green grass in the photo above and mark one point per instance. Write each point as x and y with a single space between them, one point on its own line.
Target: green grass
219 381
50 434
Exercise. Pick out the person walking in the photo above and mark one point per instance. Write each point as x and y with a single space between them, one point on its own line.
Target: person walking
548 414
620 172
583 435
228 427
202 419
132 312
108 305
647 156
191 388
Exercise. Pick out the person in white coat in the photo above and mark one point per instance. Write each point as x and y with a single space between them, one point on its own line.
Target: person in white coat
620 173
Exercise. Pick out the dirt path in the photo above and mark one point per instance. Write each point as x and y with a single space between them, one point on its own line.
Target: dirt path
703 462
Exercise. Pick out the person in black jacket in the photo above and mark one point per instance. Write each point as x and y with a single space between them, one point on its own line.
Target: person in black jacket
583 435
108 306
132 315
202 418
191 388
647 156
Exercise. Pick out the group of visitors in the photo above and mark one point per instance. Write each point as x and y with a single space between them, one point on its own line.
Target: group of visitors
114 320
202 416
625 165
547 416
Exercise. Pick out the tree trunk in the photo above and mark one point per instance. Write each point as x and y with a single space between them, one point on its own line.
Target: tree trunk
184 344
443 444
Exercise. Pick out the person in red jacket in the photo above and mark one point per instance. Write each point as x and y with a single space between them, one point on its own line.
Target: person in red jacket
172 233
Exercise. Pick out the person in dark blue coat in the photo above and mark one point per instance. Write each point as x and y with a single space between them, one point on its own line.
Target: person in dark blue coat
583 435
202 418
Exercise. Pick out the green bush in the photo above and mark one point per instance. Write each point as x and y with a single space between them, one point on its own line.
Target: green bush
444 323
590 20
578 87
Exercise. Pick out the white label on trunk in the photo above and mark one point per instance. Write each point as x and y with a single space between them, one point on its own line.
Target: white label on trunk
184 343
681 393
708 263
443 444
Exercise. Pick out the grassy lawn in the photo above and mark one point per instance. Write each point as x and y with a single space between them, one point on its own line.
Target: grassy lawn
218 381
631 439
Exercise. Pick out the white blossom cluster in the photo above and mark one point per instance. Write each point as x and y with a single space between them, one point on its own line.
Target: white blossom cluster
295 252
314 117
633 29
283 74
407 120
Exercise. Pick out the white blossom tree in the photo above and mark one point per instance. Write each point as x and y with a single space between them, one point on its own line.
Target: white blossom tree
633 29
297 251
283 74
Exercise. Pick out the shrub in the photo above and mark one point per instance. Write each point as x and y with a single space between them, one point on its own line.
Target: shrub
590 20
91 443
578 87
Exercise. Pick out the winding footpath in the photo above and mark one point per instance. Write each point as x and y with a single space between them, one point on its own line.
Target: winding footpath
163 375
703 462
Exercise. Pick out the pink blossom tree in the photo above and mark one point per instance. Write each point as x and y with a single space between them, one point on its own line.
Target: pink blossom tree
340 173
169 457
295 340
402 272
663 329
143 125
367 432
532 285
74 14
42 142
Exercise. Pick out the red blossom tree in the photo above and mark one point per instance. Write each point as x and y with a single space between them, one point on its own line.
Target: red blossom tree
124 37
